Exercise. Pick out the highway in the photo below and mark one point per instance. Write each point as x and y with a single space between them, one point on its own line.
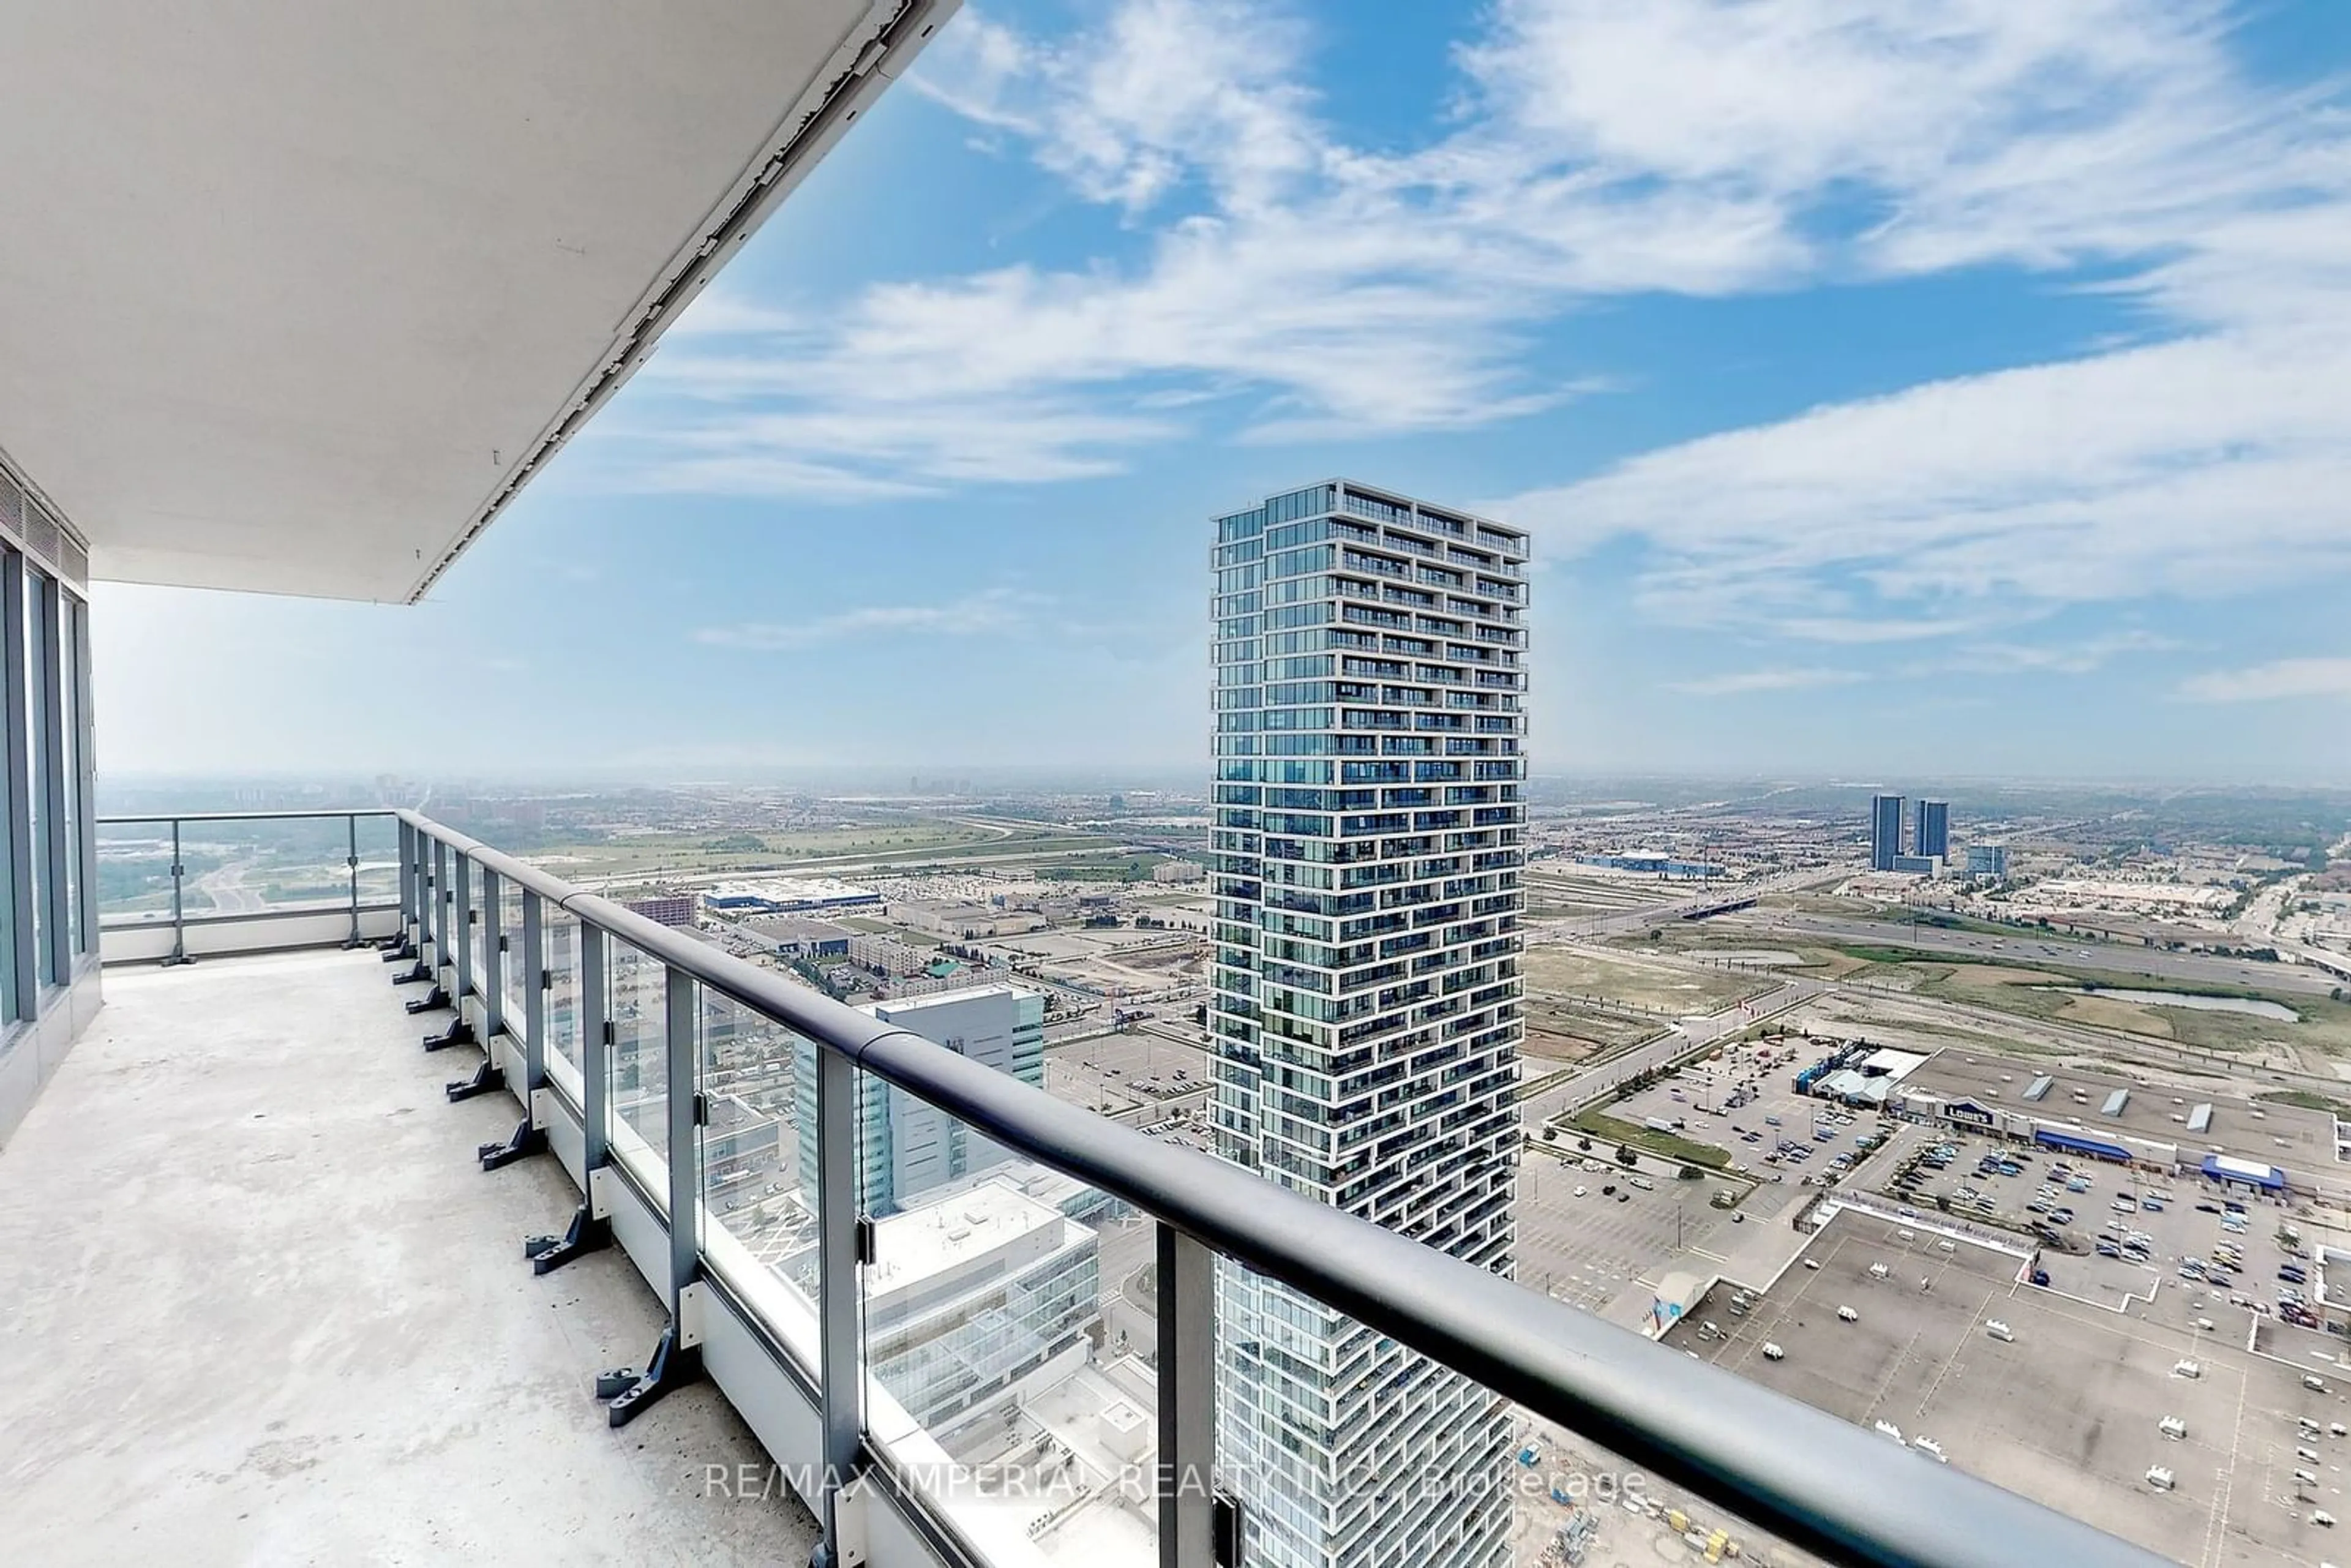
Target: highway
2030 947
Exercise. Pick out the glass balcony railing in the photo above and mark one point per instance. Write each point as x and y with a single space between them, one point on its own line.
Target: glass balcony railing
939 1295
174 888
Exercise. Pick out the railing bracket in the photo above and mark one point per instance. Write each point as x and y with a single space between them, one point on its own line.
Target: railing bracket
459 1032
486 1077
526 1141
588 1234
673 1367
397 950
432 1000
415 977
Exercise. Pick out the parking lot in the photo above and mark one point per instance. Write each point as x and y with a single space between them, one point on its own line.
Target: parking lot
1753 1085
1138 1072
1589 1249
2068 1409
2160 1251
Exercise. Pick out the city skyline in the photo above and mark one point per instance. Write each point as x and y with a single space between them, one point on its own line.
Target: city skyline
1838 453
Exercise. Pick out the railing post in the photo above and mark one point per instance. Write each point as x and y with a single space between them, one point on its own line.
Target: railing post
439 882
534 994
1187 1382
462 916
494 946
352 861
595 1051
683 1100
840 1250
589 1230
179 908
407 879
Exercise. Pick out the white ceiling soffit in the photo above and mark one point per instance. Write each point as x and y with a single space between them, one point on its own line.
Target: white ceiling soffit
298 293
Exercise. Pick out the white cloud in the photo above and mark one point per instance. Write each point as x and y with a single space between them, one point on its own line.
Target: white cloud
2077 658
1289 282
1746 683
2285 679
997 610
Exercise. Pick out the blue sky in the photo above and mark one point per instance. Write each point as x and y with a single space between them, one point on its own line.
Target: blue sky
1962 388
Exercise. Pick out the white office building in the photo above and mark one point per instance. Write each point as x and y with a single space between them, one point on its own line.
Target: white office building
908 1146
1369 660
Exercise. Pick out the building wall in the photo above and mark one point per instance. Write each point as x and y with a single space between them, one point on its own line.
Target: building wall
906 1147
1368 665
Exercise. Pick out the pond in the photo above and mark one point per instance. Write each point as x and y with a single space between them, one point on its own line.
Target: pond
2250 1005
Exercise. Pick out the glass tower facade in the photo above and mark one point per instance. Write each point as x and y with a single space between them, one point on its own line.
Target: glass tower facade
1933 835
1369 672
1884 831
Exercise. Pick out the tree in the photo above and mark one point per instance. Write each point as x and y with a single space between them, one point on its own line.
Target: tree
1583 1143
1691 1173
1626 1157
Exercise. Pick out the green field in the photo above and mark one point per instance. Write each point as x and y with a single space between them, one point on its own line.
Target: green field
2022 988
1615 1130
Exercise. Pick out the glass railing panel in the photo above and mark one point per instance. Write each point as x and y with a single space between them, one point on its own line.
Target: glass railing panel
637 1065
477 925
563 1057
513 970
273 863
1008 1337
759 1165
1340 1444
377 841
134 872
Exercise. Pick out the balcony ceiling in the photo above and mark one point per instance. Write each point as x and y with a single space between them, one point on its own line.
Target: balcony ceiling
294 292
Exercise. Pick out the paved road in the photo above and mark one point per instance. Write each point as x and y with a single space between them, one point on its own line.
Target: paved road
225 887
1688 1034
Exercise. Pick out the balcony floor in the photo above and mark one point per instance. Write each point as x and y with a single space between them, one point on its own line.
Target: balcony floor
261 1306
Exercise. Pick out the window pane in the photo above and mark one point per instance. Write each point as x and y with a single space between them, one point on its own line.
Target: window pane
69 744
37 686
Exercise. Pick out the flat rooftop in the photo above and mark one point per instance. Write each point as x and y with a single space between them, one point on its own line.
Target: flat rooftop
2284 1135
263 1303
2068 1412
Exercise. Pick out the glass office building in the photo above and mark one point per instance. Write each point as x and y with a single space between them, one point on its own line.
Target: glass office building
1933 839
1884 831
1369 659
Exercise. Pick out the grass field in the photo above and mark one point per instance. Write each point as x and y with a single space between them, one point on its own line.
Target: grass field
1615 1130
1698 939
2027 991
1586 1031
1558 972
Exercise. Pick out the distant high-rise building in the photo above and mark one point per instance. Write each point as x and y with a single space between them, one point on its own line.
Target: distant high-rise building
1933 840
1884 831
1987 859
1370 673
906 1146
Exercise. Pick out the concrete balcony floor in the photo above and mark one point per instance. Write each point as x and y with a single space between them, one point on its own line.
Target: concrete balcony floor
260 1306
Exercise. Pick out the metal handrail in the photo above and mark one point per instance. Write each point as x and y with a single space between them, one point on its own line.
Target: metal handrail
1818 1483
